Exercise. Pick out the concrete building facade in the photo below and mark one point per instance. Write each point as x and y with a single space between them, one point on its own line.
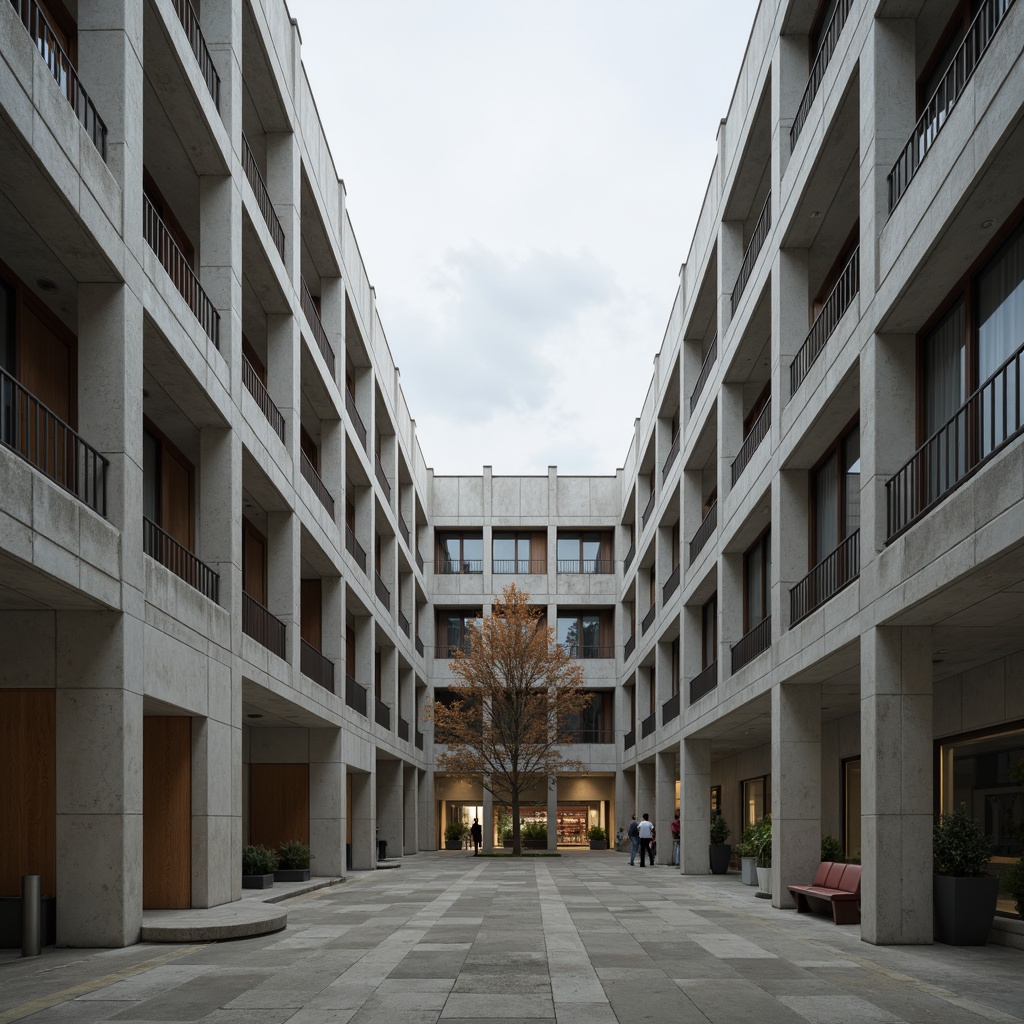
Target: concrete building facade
230 583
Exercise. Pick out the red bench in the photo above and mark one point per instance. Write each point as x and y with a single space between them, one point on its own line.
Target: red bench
835 884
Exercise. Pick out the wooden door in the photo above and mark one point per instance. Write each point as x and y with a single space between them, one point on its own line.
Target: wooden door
254 563
167 812
278 804
176 496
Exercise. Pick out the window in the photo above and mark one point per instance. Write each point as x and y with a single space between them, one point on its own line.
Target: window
309 448
585 553
757 408
519 552
586 634
675 545
595 724
709 632
378 676
835 496
254 562
453 629
851 807
757 580
350 645
942 56
166 486
460 553
757 799
311 609
822 20
675 666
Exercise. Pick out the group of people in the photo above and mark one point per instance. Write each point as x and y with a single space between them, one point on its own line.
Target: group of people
643 839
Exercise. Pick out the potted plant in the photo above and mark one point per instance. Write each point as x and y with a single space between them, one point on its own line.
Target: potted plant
258 865
598 838
719 851
293 859
748 858
454 832
534 835
762 847
964 892
1012 882
831 849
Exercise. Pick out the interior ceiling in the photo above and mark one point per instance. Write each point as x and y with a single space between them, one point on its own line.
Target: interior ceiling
274 712
27 588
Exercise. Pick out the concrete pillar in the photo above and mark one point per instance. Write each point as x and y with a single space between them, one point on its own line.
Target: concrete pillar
326 802
283 546
219 538
390 813
789 541
363 813
219 256
730 432
411 805
665 802
284 185
896 785
790 302
488 824
552 814
214 746
222 30
730 259
646 789
99 779
428 816
796 786
694 811
283 380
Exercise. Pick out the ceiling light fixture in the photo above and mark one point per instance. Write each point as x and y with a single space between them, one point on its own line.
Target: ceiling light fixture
987 222
45 284
253 716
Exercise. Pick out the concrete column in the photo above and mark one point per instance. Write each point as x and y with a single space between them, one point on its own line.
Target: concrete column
790 302
333 643
284 185
428 816
332 471
730 259
730 433
789 541
796 786
326 802
694 811
896 785
789 77
214 745
364 814
665 802
625 798
219 537
411 804
390 812
488 824
552 814
99 779
220 256
283 540
332 316
646 789
222 30
283 377
730 608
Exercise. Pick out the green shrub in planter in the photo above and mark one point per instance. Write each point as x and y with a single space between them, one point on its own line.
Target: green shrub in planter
258 860
720 830
454 831
293 855
831 848
536 830
964 893
761 841
596 834
1012 882
504 827
960 846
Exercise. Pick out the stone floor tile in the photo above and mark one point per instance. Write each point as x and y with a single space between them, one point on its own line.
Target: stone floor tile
838 1009
530 1006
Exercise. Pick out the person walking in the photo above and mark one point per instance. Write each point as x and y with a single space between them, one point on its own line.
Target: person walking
478 836
634 839
674 828
646 829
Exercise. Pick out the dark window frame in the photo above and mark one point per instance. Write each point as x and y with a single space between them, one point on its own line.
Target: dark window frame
762 548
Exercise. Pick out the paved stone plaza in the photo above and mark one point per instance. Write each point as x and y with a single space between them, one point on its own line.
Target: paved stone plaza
581 938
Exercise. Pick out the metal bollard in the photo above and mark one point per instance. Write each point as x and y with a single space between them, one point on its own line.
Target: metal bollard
31 916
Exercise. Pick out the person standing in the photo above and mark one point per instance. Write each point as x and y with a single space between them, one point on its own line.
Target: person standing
646 829
634 839
674 827
478 836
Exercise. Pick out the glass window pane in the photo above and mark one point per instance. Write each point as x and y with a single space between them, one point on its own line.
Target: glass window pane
568 548
472 549
504 549
591 633
826 509
452 548
1001 307
754 585
851 486
523 553
568 629
591 552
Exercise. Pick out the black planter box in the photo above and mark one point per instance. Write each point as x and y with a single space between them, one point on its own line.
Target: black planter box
10 921
291 875
257 881
599 844
453 844
964 909
719 854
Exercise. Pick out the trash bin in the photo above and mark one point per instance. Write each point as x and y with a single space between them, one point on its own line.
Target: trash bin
382 849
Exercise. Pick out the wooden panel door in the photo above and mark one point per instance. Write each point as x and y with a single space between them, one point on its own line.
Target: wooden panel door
167 812
254 563
28 789
176 496
278 803
45 365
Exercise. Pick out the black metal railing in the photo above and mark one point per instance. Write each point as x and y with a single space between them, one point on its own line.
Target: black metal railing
589 736
585 566
752 441
63 71
839 301
629 740
190 23
353 415
670 585
316 326
403 624
586 652
454 567
354 548
648 725
419 647
382 477
420 564
704 682
837 569
314 665
648 510
179 270
383 594
757 240
50 445
630 555
262 626
648 619
672 453
629 648
355 696
821 61
162 547
403 529
403 729
670 709
524 566
381 713
312 477
707 527
255 387
259 190
983 29
758 640
419 740
990 418
448 652
705 372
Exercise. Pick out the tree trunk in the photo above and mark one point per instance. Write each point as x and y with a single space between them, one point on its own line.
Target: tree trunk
517 841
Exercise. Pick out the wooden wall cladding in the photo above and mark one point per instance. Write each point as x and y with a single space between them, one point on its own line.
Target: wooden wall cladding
167 812
278 803
28 789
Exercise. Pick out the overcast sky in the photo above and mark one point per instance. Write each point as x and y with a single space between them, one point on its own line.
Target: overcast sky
524 177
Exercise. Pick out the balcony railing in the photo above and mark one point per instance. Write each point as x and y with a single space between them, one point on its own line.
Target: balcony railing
313 319
757 434
648 619
585 566
983 29
182 276
403 624
821 61
403 729
648 725
629 740
672 453
587 652
648 510
629 648
49 445
403 529
419 740
630 555
355 696
190 23
705 372
259 190
448 652
523 566
262 397
703 683
758 640
453 567
670 585
825 323
589 736
63 71
264 628
670 709
312 477
757 240
989 420
383 594
419 561
314 665
704 531
353 415
162 547
381 713
826 579
354 548
382 478
419 646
